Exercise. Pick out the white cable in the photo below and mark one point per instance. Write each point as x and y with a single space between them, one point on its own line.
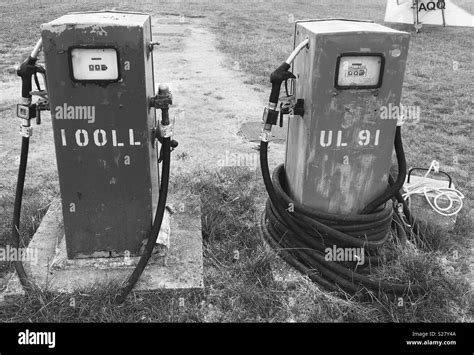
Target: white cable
453 195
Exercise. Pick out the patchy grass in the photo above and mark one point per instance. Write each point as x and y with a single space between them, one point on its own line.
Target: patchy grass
239 290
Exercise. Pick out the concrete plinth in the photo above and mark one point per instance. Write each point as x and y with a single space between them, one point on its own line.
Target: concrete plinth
51 270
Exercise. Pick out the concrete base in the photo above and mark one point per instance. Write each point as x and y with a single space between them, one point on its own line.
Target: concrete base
180 268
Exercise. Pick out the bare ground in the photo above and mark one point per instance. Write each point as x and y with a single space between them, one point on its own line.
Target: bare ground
211 101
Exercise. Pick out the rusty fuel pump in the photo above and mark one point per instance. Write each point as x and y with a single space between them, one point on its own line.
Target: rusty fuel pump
335 191
102 102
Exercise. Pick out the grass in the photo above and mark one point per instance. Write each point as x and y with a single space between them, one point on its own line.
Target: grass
241 289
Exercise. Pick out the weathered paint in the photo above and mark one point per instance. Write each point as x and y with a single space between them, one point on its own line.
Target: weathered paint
106 164
338 155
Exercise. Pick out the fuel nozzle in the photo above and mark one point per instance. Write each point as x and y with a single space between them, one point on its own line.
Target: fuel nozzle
26 109
277 77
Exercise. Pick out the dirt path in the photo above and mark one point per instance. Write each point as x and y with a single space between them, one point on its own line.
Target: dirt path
211 101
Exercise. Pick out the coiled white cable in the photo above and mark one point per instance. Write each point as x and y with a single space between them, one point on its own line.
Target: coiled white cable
452 195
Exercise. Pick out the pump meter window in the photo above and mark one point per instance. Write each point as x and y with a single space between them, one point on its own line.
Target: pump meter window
94 64
359 71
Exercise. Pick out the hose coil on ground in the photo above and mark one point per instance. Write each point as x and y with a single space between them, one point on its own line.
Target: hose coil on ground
301 235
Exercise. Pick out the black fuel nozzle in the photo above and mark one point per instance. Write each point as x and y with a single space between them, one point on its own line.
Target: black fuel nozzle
26 70
277 77
26 110
270 113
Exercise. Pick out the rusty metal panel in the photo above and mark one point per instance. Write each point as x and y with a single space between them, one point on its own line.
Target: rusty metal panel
339 154
103 129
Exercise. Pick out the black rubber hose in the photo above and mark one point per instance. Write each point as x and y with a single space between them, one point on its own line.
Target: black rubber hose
26 70
373 227
406 210
302 235
402 173
335 272
155 230
20 270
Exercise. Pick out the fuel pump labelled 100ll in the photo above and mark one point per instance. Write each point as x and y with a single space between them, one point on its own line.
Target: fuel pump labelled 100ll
99 71
335 190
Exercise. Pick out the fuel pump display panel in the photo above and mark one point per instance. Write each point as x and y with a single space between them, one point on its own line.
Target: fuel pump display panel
94 64
359 71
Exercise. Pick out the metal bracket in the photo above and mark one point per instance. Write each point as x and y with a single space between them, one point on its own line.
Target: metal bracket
265 135
166 131
26 132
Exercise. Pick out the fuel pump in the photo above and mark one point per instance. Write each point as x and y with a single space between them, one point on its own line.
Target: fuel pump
335 189
99 67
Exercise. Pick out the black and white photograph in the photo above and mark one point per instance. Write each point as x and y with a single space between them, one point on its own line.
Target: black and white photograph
283 166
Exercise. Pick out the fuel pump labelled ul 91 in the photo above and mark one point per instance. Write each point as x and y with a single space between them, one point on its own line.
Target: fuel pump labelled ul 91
99 67
335 190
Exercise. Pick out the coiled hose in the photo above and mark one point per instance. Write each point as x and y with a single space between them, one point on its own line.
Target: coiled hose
302 235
